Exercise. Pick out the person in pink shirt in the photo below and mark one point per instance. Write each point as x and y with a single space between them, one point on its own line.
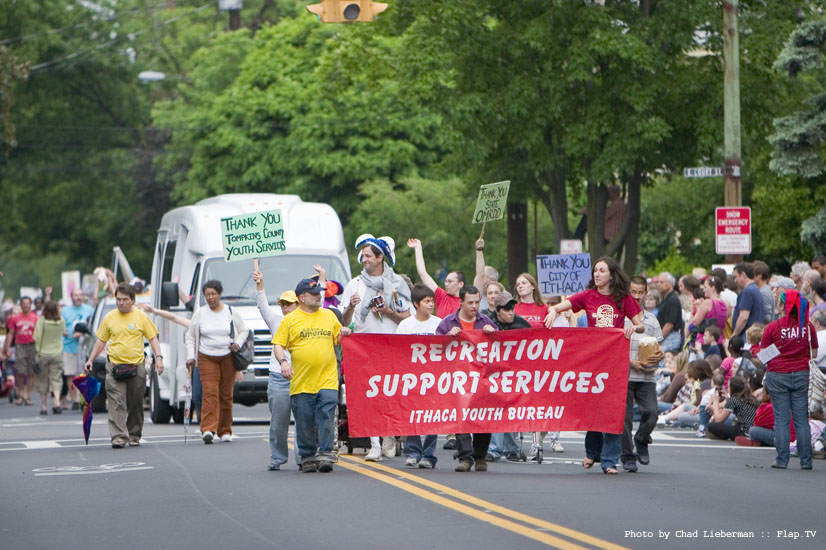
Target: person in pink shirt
20 332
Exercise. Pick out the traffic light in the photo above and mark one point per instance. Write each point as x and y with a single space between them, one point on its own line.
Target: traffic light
346 11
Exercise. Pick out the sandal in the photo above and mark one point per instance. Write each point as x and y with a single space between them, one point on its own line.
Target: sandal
18 401
587 462
610 471
29 402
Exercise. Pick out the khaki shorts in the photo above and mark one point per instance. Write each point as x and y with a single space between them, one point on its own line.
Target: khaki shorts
71 364
50 379
25 356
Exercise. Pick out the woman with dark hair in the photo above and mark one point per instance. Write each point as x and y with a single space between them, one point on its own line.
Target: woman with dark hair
529 303
210 336
711 311
740 402
607 303
48 340
787 376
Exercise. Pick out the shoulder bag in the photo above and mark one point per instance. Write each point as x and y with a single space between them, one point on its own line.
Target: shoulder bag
242 358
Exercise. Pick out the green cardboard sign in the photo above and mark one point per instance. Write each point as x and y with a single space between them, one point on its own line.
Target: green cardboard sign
492 202
253 235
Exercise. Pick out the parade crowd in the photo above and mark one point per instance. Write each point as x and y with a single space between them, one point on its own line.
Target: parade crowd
737 356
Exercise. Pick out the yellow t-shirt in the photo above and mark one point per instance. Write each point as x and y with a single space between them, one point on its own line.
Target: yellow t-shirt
125 334
310 339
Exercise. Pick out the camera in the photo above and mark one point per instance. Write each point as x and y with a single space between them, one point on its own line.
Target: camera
377 302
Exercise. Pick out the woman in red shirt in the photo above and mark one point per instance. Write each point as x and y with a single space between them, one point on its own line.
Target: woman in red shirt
607 303
529 303
787 377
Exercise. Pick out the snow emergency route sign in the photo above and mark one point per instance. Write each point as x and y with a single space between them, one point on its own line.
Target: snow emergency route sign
733 230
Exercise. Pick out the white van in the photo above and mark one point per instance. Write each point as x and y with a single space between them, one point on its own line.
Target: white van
189 251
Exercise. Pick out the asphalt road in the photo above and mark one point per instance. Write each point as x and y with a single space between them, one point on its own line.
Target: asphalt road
59 493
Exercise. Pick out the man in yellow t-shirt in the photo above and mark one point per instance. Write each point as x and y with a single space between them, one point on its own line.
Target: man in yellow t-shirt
310 333
124 329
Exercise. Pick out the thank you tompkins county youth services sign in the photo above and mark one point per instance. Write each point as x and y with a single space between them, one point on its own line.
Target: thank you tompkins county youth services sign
253 235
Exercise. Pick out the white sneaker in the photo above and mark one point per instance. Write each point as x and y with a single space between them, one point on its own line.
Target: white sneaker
208 437
661 420
374 455
556 446
411 462
388 446
226 438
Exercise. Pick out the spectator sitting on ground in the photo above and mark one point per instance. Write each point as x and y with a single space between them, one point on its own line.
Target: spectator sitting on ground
762 431
679 373
740 402
698 381
718 383
711 334
736 362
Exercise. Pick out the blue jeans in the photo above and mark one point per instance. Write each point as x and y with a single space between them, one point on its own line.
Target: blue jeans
197 389
672 342
278 401
314 414
790 396
606 447
504 444
763 435
705 417
413 447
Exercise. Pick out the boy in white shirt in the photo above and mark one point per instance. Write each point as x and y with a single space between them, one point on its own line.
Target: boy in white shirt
424 322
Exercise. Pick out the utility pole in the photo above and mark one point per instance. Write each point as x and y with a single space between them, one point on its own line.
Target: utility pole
731 109
234 9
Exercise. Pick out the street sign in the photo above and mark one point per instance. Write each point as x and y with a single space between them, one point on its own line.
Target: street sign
733 230
710 172
570 246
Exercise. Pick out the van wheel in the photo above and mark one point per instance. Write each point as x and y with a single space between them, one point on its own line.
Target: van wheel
159 410
178 414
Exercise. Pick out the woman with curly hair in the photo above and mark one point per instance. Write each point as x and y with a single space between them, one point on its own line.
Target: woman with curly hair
607 303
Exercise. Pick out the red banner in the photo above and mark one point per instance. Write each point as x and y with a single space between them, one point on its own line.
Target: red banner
568 379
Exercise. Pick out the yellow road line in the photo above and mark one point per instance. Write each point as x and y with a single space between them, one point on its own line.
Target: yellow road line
544 538
513 514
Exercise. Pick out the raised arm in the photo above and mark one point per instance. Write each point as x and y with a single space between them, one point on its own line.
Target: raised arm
480 280
425 277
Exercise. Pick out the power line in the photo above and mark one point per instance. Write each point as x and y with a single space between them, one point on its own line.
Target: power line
25 37
130 36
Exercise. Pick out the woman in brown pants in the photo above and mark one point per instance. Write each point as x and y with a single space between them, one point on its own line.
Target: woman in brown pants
209 337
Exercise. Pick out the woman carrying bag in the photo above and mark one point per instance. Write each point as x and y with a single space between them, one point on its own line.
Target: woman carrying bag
216 331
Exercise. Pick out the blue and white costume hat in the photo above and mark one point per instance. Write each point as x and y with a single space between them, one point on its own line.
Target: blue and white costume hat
386 244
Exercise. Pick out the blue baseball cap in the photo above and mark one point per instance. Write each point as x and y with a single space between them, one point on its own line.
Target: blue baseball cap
307 285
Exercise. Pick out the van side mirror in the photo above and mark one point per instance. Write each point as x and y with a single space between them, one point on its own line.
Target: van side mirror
169 295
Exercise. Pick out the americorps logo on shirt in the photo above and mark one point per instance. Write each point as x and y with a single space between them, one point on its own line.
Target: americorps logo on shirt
131 326
314 333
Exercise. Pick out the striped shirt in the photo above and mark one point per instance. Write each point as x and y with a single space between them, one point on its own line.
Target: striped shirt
744 411
652 328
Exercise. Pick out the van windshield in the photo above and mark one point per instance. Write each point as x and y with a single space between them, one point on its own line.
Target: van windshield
280 273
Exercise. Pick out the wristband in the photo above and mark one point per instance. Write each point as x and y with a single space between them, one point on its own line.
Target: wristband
282 361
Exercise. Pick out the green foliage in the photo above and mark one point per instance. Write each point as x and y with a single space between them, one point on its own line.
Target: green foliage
11 71
438 213
674 263
780 209
813 231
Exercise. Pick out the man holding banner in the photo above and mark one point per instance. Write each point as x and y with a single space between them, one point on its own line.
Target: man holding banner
376 302
472 449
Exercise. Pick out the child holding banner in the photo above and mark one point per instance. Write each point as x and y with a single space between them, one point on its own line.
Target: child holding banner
607 303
